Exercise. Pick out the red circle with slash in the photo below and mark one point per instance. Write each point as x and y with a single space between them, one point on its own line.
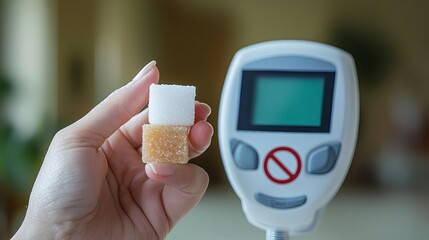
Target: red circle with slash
291 175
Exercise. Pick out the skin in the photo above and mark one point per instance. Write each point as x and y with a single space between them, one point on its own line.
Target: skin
94 185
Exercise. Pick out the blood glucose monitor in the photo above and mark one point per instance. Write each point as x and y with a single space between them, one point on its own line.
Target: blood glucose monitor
288 123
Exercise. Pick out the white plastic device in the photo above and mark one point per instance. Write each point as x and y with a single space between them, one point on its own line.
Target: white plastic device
288 123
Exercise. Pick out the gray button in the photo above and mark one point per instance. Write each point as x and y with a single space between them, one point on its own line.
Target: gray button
280 203
264 199
245 157
322 159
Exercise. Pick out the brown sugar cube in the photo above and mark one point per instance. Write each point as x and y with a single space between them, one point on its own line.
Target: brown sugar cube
165 144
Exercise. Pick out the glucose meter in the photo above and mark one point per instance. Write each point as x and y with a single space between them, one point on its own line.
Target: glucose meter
288 123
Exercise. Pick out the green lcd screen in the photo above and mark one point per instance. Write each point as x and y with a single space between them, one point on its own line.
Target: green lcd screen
286 101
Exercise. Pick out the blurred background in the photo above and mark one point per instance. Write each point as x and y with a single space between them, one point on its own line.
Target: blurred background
60 58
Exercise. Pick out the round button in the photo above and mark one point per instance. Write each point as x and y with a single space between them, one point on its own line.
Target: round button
282 165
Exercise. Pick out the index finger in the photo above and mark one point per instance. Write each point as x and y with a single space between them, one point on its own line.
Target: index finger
120 106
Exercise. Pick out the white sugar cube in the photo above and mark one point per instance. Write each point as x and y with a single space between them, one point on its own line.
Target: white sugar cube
171 104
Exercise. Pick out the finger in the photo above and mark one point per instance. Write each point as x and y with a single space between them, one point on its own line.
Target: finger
132 130
202 111
120 106
186 184
200 137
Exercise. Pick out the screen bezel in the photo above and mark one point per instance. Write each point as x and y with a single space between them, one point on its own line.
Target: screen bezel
249 78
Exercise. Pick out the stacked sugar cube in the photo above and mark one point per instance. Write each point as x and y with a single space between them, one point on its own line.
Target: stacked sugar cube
171 113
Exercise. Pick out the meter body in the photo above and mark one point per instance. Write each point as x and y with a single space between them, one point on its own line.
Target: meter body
288 123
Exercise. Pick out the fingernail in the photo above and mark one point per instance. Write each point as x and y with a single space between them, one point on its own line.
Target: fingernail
163 169
209 108
145 70
211 126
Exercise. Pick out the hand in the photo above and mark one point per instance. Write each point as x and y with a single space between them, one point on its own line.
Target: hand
94 185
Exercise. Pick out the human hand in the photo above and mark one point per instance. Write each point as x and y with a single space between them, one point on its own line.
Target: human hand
93 184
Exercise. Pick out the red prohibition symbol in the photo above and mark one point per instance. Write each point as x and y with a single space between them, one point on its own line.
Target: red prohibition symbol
291 175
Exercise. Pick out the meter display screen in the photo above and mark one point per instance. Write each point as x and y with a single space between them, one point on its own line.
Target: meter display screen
286 101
